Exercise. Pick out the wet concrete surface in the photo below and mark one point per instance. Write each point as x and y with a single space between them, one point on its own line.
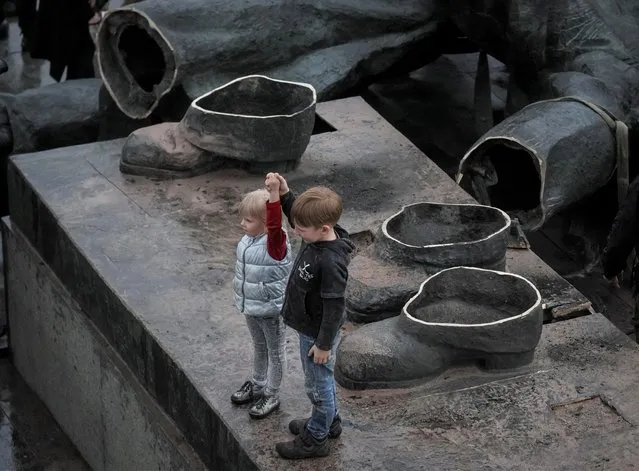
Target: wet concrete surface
30 438
159 255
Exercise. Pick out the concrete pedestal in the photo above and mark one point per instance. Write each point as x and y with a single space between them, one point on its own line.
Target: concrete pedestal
90 391
149 265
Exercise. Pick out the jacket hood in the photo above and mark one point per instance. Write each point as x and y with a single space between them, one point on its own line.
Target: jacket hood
342 246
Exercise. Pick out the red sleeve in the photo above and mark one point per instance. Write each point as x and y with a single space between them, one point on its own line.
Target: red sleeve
275 235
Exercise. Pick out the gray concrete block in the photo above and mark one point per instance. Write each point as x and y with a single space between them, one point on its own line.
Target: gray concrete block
150 265
87 387
51 351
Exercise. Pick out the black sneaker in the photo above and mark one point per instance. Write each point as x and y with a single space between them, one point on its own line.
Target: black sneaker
247 393
297 425
304 446
264 406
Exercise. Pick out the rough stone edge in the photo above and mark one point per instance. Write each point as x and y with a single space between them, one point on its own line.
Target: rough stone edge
159 374
159 416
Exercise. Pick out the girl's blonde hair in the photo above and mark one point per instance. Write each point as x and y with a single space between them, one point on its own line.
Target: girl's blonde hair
254 204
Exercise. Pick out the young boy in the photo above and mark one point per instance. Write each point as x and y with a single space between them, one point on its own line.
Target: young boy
261 272
314 307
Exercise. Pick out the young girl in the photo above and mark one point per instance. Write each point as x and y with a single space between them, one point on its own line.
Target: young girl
261 272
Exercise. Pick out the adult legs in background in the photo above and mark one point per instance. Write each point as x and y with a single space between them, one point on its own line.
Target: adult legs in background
26 20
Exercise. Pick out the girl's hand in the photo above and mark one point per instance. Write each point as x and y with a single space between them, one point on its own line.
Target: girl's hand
272 183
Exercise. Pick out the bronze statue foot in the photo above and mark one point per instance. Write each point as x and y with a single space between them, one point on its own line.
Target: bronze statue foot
459 315
253 122
162 151
416 242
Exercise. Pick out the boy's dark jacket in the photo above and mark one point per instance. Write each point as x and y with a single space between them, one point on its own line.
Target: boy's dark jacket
314 297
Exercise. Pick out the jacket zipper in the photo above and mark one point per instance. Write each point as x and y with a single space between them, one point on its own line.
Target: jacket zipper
244 272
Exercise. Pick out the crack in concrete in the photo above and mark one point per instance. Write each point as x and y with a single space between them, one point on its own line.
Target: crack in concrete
118 188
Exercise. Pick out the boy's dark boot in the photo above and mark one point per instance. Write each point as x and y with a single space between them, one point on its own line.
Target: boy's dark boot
297 425
264 407
304 446
247 393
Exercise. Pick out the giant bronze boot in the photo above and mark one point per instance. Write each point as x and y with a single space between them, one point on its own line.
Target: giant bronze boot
420 240
254 121
459 315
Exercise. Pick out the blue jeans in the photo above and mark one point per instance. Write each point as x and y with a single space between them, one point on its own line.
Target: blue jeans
320 388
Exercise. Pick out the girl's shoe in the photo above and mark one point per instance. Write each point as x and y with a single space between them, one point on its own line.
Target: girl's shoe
264 406
248 392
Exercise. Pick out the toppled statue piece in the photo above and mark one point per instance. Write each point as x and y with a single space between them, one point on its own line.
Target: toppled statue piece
459 315
255 120
156 49
417 241
532 168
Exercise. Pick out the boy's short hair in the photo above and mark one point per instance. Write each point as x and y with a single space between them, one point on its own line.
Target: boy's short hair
316 207
254 204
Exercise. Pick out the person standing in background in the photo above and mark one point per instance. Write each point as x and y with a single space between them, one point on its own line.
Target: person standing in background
27 10
61 36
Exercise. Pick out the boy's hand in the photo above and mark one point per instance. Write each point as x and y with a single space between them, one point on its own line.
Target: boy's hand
272 183
319 356
283 185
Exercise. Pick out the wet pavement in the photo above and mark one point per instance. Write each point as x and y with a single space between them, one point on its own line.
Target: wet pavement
30 438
